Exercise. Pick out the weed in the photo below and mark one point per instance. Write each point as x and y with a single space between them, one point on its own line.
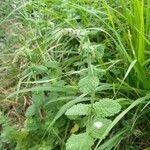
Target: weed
74 74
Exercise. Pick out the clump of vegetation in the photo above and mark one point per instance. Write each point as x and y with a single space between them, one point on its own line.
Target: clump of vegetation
74 75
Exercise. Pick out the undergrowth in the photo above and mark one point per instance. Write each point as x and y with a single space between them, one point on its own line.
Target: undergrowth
74 75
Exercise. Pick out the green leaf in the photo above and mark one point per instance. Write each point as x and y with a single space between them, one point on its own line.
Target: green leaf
8 133
79 142
52 64
30 111
106 107
45 147
88 84
79 109
99 72
99 50
32 124
38 69
98 126
38 98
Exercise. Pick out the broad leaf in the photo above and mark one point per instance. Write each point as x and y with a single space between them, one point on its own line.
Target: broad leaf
106 107
32 124
98 126
79 109
99 50
38 98
79 142
88 84
38 69
30 111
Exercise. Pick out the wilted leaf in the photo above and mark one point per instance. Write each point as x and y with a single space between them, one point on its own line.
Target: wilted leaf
75 128
79 142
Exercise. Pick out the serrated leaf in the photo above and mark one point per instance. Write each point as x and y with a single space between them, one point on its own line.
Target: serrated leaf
98 127
30 111
78 110
79 142
88 84
106 107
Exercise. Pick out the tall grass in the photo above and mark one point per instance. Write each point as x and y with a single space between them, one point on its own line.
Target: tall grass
135 32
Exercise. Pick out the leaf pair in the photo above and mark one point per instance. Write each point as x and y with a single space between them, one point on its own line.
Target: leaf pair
97 125
103 108
85 140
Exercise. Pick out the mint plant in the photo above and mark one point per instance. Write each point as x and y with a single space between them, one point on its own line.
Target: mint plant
74 74
98 123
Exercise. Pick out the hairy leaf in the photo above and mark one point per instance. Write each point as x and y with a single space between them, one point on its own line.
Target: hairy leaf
88 84
38 98
98 127
30 111
79 142
79 109
106 107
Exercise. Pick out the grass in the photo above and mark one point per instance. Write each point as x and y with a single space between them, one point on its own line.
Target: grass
72 72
